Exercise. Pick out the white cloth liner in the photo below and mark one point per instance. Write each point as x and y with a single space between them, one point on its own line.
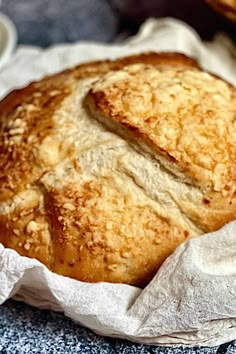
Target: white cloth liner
191 300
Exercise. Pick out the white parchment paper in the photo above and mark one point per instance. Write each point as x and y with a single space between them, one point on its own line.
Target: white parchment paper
192 299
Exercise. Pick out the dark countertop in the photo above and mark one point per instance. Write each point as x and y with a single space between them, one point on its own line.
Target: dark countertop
24 329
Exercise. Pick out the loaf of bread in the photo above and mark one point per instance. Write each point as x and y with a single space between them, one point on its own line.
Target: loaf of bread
106 168
226 8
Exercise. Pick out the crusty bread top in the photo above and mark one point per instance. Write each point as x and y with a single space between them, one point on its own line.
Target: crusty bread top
186 120
187 116
93 205
30 141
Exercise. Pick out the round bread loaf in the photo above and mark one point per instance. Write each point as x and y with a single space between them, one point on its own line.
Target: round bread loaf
226 8
106 168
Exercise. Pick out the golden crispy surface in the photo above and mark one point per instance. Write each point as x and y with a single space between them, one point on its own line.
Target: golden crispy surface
86 201
225 7
26 126
187 116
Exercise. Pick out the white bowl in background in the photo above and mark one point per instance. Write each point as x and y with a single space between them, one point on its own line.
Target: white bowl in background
8 38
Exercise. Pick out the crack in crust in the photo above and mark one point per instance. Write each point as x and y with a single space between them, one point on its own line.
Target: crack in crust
111 203
163 107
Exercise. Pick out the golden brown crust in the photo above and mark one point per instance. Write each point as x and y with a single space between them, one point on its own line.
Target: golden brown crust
26 118
185 119
224 7
111 240
26 122
164 106
85 202
156 59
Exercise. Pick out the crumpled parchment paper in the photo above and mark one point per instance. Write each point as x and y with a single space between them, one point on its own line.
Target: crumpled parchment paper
192 299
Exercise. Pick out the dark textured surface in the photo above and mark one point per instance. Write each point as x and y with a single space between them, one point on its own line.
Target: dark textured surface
24 329
41 22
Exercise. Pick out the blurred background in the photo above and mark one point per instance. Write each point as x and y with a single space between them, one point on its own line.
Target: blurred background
46 22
